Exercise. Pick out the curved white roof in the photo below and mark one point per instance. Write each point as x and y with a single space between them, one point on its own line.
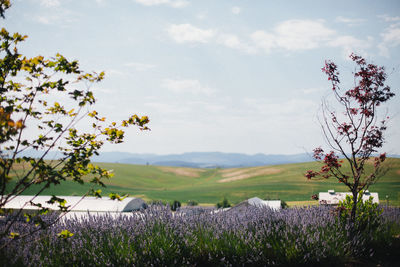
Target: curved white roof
104 204
258 202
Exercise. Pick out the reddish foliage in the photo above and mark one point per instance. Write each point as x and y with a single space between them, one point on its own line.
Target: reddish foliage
311 174
379 160
331 160
333 74
318 152
359 134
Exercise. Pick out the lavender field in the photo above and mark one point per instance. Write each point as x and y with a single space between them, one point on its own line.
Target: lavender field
159 237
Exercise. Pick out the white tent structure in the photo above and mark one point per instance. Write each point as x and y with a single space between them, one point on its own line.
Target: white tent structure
332 198
77 204
257 202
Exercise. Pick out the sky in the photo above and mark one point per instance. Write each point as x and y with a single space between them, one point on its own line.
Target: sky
229 76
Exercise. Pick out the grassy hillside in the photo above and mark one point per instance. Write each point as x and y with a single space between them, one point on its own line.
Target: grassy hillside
285 182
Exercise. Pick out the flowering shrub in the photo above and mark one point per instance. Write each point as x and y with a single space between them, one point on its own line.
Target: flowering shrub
158 236
367 216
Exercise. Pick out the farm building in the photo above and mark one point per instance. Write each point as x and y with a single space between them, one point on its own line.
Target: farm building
77 204
258 202
332 198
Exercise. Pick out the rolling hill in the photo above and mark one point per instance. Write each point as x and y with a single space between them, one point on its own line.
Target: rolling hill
210 185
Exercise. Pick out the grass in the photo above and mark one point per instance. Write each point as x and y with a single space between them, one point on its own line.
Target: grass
285 182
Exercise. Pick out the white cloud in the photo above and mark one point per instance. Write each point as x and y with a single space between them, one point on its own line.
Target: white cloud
187 33
102 90
44 19
183 33
151 2
290 35
140 66
264 40
390 38
62 19
167 108
201 16
236 10
349 21
294 35
279 109
50 3
171 3
351 44
388 18
232 41
179 3
187 86
113 72
100 2
309 91
302 34
57 16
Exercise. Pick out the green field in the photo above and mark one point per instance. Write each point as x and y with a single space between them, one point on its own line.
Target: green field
208 186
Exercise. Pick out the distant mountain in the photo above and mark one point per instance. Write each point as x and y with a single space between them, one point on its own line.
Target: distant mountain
192 159
202 159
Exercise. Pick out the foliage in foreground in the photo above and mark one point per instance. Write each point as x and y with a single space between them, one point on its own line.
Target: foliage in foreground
46 105
157 236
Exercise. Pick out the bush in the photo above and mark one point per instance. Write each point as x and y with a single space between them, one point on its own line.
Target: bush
223 204
367 214
158 202
175 205
192 203
284 205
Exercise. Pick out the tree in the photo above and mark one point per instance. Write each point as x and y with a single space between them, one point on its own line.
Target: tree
4 4
356 133
43 105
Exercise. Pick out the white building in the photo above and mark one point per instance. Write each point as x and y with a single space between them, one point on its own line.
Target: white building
332 198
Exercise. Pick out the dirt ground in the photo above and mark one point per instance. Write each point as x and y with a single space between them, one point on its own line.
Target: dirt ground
231 175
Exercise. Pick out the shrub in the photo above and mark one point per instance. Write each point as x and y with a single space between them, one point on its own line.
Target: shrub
284 205
175 205
367 215
158 202
192 203
223 204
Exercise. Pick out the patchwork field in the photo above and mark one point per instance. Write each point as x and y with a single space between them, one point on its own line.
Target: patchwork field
208 186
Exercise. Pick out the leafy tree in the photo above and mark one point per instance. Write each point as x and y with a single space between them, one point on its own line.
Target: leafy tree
355 133
43 104
4 4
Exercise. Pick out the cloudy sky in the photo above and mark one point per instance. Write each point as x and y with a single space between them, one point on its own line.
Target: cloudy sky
230 76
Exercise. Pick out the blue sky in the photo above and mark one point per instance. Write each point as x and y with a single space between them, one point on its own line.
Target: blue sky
230 76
